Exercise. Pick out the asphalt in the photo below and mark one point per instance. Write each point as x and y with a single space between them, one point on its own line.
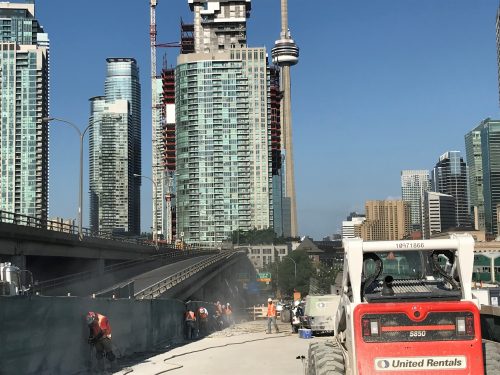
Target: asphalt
243 349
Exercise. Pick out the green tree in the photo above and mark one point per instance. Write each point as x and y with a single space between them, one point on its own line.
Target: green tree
287 281
257 237
325 276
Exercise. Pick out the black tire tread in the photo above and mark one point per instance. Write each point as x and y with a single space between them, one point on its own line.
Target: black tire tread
325 358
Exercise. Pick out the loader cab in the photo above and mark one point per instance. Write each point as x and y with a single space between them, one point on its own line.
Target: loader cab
410 275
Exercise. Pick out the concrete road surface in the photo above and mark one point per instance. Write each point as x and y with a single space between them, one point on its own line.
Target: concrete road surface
244 349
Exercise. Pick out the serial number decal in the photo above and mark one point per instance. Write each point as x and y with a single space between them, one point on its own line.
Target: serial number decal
418 333
420 363
410 245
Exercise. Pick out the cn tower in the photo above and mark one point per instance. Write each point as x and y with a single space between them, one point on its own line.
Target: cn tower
285 54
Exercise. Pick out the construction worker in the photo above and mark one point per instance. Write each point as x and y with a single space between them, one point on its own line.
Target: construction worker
229 315
190 320
202 318
219 322
100 337
271 316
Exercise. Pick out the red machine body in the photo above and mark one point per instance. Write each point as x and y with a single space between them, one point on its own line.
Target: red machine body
405 337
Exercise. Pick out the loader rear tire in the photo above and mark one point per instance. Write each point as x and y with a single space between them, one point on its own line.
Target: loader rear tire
325 358
491 355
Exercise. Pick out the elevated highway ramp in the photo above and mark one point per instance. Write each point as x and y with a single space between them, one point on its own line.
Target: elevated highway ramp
179 280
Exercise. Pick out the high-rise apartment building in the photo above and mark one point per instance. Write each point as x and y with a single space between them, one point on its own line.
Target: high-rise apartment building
115 151
490 150
386 220
474 159
414 184
450 176
224 159
24 101
439 213
498 48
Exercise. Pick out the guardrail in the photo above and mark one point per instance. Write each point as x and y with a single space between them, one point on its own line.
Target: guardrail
62 227
169 282
46 285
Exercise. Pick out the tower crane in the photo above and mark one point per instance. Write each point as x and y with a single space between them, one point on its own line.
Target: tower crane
155 118
158 172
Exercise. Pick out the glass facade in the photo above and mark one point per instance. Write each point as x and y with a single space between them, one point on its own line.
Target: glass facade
475 165
414 184
450 176
224 179
115 151
490 147
24 102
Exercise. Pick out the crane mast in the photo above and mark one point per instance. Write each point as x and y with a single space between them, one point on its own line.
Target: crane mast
154 116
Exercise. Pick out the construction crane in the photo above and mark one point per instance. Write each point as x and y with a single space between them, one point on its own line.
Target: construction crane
158 170
155 118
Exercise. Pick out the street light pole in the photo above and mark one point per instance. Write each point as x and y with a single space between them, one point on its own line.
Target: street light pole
294 265
155 218
80 193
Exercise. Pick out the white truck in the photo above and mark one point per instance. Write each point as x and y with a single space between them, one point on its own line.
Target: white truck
319 312
11 280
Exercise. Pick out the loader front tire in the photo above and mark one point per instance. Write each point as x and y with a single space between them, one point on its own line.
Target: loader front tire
325 358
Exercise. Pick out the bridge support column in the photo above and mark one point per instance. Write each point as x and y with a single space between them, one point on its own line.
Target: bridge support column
98 267
19 261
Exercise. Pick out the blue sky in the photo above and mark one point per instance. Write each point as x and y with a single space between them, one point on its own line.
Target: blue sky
381 86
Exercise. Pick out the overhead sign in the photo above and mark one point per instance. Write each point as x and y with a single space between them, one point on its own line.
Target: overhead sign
264 277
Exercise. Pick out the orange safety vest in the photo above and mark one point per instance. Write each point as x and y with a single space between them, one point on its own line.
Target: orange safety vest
102 325
190 315
271 310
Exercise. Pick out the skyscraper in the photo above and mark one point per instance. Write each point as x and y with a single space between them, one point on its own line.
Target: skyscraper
414 184
24 100
115 151
223 133
490 149
498 48
475 164
439 213
286 54
450 176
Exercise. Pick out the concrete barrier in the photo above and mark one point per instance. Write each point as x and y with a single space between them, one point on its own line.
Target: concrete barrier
48 335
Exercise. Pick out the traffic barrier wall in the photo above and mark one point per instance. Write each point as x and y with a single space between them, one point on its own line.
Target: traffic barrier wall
490 323
48 335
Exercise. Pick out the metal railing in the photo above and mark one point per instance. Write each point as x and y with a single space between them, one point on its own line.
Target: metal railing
47 285
169 282
58 226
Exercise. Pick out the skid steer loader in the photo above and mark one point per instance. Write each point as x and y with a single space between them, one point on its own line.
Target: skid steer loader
406 308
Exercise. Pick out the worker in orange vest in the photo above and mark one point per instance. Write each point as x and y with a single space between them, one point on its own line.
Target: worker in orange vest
100 337
229 315
271 316
202 318
190 320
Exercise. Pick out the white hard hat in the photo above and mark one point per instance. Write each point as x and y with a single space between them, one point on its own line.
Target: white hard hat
269 300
